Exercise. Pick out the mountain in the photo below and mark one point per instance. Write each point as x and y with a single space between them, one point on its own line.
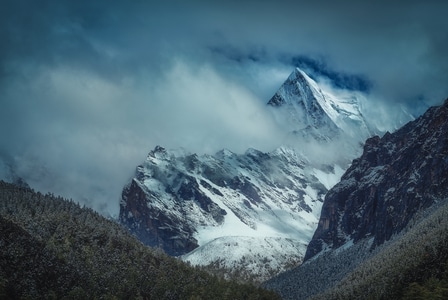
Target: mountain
52 248
191 205
309 110
397 176
179 201
383 226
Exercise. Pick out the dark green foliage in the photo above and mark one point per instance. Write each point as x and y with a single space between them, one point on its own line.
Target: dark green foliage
430 279
51 248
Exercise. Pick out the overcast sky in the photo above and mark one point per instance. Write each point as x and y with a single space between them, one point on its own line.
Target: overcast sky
87 88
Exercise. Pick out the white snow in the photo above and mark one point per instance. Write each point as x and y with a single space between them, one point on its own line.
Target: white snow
329 179
259 257
309 104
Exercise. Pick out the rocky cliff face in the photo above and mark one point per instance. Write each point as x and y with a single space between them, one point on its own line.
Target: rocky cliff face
396 177
154 226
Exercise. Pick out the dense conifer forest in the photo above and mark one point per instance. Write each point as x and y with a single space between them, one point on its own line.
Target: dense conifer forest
51 248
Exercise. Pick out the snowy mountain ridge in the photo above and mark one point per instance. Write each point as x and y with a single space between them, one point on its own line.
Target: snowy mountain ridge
254 203
204 198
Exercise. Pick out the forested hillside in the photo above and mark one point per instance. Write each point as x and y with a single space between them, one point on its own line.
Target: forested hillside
412 265
51 248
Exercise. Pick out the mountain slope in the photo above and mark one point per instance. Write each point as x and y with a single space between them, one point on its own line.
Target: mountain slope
397 176
248 259
53 249
409 263
417 256
387 209
181 202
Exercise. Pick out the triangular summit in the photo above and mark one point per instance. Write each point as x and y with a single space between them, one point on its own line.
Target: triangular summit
305 108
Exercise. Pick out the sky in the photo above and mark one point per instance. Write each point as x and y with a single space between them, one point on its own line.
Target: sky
88 88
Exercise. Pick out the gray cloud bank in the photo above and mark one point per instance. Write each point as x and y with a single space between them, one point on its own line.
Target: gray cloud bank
87 88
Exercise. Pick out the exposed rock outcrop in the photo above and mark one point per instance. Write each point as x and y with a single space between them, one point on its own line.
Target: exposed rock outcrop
396 177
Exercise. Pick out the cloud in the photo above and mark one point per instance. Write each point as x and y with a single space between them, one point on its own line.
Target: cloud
88 88
69 133
398 46
78 134
198 109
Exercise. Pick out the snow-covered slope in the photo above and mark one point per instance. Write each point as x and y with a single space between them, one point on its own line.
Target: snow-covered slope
263 207
248 258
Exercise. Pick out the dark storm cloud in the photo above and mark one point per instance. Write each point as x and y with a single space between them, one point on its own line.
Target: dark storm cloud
88 87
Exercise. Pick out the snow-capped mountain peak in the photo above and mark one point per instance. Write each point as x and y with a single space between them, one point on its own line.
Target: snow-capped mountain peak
314 111
297 84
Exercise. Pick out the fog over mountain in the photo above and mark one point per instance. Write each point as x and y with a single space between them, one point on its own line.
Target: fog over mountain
87 89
